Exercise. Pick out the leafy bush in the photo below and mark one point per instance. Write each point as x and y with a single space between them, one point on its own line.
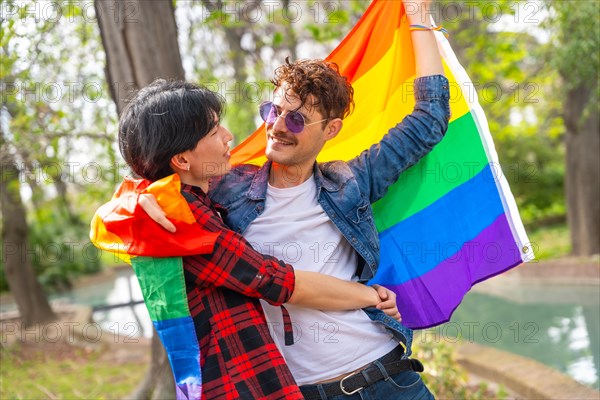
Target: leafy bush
59 250
445 377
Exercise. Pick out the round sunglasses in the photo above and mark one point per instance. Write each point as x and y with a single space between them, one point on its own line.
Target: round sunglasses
294 121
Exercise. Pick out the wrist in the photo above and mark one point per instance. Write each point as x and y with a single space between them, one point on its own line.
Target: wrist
427 28
374 298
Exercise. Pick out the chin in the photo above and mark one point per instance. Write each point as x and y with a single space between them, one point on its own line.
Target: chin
275 156
269 153
274 159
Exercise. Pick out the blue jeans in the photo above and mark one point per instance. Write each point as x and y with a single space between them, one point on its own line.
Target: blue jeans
404 385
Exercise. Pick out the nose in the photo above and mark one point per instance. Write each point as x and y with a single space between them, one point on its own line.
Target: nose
227 136
279 124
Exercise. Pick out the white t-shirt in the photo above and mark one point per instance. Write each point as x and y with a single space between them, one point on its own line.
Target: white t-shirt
295 228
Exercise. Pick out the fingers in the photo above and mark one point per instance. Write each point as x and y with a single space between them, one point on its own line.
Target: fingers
392 312
388 302
152 208
165 223
385 294
381 291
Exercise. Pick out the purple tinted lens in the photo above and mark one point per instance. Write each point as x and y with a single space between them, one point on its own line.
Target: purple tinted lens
294 121
267 112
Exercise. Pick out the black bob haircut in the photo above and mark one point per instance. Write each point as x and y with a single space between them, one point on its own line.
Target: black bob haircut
163 119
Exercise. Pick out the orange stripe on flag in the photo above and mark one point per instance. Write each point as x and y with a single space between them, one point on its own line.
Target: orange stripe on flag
135 233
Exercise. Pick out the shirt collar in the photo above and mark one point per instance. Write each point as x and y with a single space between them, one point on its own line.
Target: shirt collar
258 187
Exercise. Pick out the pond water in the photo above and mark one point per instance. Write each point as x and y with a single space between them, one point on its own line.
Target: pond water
129 321
558 326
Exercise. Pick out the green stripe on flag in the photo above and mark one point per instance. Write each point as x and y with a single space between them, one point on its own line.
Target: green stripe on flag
163 286
455 160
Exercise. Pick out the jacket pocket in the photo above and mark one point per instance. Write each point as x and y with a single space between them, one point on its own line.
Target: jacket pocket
362 213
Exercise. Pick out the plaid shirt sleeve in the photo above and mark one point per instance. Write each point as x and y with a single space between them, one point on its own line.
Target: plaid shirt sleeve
234 264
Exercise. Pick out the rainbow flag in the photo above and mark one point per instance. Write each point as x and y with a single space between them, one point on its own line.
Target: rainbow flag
450 221
121 227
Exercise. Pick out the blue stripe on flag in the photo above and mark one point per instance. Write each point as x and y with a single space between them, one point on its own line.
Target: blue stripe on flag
427 238
178 335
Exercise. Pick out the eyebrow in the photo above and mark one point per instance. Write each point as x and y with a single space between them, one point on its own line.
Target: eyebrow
278 107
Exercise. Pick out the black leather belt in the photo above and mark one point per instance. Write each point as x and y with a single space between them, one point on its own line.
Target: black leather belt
356 381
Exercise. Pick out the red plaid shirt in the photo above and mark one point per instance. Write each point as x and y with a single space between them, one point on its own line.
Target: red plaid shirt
238 357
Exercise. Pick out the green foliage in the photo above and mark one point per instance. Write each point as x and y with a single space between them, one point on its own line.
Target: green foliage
576 51
239 118
56 112
444 376
533 163
329 19
550 242
61 252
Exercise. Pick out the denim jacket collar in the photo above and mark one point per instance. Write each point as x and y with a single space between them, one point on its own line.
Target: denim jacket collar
327 184
258 187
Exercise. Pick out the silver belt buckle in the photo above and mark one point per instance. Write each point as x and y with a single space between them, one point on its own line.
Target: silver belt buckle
342 384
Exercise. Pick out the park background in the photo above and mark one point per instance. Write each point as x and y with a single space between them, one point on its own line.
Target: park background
68 67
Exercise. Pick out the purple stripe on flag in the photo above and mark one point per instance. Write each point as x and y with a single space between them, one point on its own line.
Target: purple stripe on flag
435 295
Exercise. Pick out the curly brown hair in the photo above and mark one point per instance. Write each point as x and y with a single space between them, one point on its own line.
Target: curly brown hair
319 82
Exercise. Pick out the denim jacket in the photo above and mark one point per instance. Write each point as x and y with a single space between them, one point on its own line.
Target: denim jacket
346 190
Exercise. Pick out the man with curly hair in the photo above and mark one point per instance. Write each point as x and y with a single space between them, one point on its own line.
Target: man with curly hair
319 216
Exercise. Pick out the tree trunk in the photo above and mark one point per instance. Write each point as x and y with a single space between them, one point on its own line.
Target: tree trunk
158 382
28 292
583 169
140 42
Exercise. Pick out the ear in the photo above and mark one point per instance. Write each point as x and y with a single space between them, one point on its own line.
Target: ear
180 162
333 128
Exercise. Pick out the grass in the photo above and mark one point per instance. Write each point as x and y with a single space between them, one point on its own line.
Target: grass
60 372
550 242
